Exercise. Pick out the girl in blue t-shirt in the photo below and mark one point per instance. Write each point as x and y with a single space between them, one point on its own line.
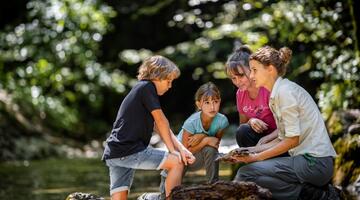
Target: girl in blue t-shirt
202 131
205 127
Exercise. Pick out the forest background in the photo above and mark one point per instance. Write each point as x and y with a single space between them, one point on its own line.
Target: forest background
66 65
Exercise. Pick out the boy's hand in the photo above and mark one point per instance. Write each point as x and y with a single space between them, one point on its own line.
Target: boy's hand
187 156
176 153
190 159
258 125
195 139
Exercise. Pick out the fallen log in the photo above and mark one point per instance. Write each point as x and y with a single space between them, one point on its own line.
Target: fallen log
227 190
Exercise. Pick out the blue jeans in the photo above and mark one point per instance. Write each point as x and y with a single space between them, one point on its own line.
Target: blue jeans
122 169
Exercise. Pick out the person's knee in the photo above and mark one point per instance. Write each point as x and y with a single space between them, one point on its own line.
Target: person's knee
242 175
245 127
248 172
241 133
210 150
173 162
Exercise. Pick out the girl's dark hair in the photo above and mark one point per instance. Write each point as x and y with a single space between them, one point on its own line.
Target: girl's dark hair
270 56
207 90
239 58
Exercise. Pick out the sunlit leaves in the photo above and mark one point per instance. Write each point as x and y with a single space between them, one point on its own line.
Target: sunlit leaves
49 61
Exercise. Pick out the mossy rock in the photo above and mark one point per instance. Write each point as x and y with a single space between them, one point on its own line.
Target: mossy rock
344 126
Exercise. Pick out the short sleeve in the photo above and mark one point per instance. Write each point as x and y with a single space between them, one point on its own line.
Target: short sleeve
189 126
224 122
150 99
289 110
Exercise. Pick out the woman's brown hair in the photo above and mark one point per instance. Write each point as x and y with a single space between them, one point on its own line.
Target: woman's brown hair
270 56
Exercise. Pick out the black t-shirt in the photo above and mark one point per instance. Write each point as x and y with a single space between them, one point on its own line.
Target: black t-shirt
134 123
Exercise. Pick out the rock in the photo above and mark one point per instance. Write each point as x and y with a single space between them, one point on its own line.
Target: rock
354 129
344 129
354 188
226 190
83 196
339 122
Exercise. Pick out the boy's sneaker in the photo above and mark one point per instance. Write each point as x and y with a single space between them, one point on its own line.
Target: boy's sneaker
150 196
163 176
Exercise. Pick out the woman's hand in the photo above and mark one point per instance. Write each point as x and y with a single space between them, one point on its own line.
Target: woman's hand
258 125
245 159
195 139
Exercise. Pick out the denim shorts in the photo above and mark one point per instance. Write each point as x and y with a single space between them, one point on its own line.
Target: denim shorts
122 169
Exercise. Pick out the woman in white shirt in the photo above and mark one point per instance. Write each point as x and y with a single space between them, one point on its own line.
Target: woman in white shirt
302 133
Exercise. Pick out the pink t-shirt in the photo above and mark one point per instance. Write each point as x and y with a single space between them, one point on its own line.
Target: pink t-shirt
256 108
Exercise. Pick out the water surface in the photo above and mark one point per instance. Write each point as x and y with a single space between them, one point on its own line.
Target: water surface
55 179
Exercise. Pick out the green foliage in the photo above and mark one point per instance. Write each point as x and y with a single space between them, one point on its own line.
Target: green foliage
49 68
64 70
320 33
325 53
322 37
346 164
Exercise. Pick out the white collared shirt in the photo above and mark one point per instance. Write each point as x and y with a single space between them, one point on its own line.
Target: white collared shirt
296 114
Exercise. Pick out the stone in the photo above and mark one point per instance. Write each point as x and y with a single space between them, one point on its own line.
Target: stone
83 196
231 156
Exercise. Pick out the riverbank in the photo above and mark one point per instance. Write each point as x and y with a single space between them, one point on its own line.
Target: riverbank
54 179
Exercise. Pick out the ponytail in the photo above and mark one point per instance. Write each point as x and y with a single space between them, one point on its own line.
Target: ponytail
270 56
285 56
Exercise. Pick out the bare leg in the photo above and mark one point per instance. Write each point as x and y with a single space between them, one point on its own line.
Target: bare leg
120 195
175 169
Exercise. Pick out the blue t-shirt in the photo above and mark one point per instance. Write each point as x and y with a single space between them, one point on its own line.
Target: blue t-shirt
134 123
194 125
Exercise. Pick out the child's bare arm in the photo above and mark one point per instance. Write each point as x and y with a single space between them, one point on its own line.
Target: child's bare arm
190 139
185 138
195 139
219 134
243 119
207 141
187 156
163 129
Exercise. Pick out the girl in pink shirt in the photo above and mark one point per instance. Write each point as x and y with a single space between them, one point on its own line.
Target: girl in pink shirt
257 124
